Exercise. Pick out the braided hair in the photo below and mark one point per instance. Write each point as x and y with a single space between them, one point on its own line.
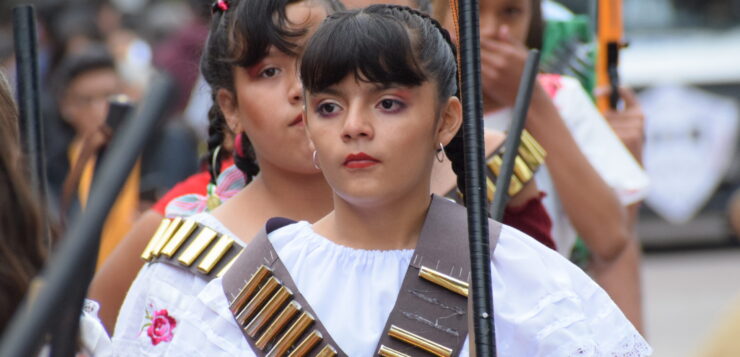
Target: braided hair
408 47
241 34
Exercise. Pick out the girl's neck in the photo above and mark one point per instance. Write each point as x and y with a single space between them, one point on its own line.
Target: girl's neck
395 224
275 193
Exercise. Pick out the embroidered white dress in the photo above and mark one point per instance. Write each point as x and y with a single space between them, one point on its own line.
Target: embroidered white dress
598 142
155 303
544 305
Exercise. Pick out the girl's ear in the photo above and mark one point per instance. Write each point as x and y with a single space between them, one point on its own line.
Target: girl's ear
227 102
450 120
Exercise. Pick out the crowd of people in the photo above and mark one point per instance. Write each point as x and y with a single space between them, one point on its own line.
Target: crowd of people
343 117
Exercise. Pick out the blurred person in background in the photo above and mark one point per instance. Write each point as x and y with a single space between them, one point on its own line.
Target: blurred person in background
84 84
179 53
628 122
589 177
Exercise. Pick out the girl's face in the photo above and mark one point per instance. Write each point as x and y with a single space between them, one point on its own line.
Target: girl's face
268 102
376 143
515 14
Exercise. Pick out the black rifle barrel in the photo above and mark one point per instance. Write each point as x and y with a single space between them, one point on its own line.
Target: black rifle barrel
475 180
64 274
29 103
514 136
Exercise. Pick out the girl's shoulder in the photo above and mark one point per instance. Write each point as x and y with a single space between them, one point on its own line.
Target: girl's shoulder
551 307
159 299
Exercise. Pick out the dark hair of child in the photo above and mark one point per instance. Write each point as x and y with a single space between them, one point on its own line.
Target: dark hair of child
93 58
409 46
241 35
21 247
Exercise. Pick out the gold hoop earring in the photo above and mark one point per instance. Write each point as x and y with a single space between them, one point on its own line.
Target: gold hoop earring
440 154
315 161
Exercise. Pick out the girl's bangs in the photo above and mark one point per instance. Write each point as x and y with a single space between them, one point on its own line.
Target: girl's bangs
372 47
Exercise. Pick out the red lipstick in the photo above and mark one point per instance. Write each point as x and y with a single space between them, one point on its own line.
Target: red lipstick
359 161
298 120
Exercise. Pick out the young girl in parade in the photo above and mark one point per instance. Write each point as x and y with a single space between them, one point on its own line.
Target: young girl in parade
109 287
384 272
250 63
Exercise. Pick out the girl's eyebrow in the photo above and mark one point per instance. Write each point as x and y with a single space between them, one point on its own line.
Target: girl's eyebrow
376 88
379 87
333 91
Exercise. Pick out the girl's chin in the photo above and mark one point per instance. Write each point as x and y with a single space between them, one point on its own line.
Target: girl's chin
363 196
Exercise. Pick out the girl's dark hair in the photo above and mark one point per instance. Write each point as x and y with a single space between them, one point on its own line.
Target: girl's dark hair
94 57
385 44
21 249
242 36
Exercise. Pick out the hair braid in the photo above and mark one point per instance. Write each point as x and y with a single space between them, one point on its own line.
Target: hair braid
247 163
426 17
216 123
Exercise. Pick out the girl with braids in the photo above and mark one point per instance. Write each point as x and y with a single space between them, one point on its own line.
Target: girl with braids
250 62
377 124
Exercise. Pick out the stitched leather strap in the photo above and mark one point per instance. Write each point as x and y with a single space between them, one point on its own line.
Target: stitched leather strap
425 308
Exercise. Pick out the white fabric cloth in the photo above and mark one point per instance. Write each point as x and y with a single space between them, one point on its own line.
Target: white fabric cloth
598 142
94 338
545 306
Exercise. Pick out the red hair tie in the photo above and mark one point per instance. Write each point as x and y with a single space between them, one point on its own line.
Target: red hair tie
221 5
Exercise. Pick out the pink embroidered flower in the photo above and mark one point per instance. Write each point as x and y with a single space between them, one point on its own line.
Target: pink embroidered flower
160 329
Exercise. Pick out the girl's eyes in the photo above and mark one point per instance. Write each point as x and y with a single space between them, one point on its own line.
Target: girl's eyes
327 109
512 11
391 105
269 72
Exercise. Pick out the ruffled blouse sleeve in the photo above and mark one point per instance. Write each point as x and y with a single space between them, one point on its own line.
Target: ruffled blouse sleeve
546 306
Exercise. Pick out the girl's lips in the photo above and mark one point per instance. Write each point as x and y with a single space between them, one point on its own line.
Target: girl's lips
298 120
359 161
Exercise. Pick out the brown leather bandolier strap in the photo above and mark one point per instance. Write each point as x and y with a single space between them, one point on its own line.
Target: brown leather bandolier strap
430 315
530 157
274 316
189 245
429 318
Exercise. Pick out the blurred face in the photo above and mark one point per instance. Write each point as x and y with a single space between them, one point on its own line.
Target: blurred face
375 143
268 103
84 104
514 14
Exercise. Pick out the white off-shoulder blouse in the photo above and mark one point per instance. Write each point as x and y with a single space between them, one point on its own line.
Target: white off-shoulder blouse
543 304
